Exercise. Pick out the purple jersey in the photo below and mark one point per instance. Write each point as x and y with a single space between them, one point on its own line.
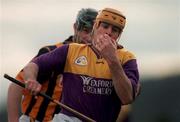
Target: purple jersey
87 81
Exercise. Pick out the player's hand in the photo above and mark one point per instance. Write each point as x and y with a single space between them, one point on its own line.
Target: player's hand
106 46
33 86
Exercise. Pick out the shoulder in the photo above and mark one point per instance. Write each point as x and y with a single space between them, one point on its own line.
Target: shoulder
68 40
125 55
52 47
77 46
49 48
76 49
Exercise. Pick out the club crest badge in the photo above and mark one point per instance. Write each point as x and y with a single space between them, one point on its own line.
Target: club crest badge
82 61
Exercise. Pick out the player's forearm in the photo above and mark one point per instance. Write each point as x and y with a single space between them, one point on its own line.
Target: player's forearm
121 82
30 71
30 76
13 102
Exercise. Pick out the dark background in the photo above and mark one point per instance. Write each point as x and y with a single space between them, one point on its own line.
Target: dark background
159 101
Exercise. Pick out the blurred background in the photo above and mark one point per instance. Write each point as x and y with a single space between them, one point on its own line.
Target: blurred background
152 33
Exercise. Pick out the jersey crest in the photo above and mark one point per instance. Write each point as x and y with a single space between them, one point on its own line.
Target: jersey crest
82 61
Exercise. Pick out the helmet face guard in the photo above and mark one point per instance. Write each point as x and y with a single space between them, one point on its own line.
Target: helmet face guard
85 22
111 16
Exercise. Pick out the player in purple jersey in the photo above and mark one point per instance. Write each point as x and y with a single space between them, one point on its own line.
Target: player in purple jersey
102 76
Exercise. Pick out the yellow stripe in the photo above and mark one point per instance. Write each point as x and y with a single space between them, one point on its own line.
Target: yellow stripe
100 70
125 55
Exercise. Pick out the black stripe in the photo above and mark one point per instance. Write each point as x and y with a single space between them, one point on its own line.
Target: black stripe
57 109
30 106
68 40
43 108
33 100
52 47
51 86
46 50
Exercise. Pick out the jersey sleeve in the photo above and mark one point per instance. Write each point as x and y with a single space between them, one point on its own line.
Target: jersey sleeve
131 70
52 61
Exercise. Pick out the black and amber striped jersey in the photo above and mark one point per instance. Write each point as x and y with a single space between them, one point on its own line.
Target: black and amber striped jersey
39 108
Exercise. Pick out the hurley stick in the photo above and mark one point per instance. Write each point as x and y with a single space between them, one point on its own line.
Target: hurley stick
55 101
